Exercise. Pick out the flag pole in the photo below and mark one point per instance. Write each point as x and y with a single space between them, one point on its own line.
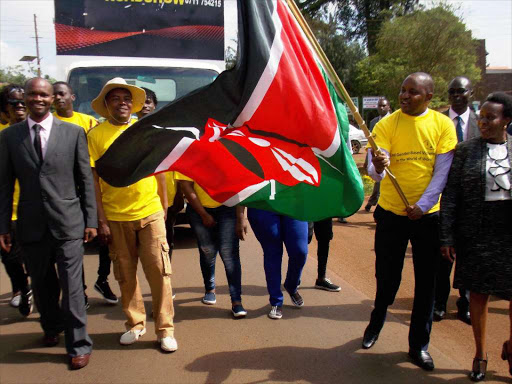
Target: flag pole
341 91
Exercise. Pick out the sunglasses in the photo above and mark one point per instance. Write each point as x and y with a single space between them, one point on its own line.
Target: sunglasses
15 102
459 91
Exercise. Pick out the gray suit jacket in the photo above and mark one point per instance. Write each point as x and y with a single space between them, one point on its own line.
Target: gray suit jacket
57 194
462 201
472 127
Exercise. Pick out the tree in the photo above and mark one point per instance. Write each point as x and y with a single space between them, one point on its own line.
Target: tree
359 19
433 41
343 54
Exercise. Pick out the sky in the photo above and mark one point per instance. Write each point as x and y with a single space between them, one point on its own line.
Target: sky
488 19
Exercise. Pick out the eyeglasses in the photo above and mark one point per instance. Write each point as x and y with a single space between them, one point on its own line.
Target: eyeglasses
15 102
459 91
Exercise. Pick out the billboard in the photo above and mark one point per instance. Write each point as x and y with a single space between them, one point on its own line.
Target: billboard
180 29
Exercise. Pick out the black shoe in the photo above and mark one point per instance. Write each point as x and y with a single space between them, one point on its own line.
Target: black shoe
439 314
26 304
464 316
104 289
422 359
297 299
368 208
51 340
327 285
479 369
342 220
87 305
370 337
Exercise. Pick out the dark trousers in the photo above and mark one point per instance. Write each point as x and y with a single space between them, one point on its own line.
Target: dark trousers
374 198
172 212
13 263
103 266
443 288
391 238
323 235
41 258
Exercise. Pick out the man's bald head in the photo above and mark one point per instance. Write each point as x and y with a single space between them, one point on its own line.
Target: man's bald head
424 79
416 92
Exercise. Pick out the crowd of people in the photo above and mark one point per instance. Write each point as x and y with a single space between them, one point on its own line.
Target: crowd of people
453 169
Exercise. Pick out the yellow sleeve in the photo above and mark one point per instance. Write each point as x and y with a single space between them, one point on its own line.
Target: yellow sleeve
181 176
448 137
93 154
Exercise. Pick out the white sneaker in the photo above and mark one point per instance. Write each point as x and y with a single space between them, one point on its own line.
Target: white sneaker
132 336
15 301
168 344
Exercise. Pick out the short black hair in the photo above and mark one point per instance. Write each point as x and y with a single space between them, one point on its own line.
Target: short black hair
151 94
503 99
64 83
6 91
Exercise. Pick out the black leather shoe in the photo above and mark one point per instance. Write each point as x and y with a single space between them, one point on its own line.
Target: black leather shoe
464 316
439 314
369 338
51 340
422 359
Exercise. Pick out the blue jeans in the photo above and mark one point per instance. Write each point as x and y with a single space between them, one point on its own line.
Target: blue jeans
272 230
222 239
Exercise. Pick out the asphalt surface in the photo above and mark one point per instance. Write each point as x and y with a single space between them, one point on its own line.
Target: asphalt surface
318 343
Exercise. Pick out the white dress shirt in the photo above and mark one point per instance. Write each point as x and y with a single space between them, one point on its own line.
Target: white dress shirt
46 127
464 122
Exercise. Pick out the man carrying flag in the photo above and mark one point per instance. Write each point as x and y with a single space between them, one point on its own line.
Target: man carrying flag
131 221
417 144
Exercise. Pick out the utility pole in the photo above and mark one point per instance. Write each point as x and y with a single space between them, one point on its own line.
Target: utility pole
37 49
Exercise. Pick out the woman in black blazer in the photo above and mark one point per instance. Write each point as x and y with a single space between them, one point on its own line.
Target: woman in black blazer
476 221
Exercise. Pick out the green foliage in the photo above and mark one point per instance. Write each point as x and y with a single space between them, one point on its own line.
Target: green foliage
17 74
433 41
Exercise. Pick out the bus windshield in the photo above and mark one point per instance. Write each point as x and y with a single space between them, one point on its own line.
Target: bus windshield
167 83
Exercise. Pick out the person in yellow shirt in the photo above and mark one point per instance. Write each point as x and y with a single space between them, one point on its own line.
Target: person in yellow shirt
131 221
417 144
13 110
215 228
63 103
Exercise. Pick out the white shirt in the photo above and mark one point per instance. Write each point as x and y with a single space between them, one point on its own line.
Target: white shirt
46 127
497 168
464 122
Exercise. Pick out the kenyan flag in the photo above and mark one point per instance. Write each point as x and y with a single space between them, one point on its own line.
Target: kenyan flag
270 133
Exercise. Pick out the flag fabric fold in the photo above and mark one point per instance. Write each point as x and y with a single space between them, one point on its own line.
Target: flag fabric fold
270 133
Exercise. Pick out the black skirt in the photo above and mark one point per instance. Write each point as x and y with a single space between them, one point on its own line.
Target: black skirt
484 263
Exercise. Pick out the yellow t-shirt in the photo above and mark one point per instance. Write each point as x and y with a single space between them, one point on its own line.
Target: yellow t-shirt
171 187
16 194
134 202
413 143
81 119
204 198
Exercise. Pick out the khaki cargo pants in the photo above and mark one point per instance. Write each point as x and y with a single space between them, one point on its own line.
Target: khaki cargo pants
143 239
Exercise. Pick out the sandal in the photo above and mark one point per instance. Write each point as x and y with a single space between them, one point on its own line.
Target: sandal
506 356
479 369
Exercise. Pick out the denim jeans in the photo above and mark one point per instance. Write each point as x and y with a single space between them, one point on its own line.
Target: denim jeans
272 230
220 239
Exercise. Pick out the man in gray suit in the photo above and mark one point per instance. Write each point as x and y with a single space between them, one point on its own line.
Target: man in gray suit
466 127
56 214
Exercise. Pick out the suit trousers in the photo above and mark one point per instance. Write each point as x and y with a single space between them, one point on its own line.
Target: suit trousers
391 239
143 240
71 316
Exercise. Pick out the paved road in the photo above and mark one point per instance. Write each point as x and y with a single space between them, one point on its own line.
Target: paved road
319 343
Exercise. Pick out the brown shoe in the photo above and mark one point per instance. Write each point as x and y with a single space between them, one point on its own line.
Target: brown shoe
78 362
50 340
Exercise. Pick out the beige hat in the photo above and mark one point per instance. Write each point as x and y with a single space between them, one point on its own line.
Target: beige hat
138 96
